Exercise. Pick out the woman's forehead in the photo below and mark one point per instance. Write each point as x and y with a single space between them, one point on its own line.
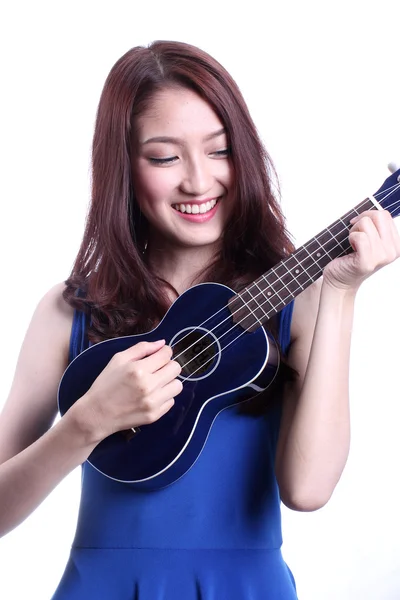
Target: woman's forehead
176 112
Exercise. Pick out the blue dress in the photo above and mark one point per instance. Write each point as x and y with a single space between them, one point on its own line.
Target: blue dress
215 534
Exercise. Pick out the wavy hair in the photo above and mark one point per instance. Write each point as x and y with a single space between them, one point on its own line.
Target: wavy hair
121 293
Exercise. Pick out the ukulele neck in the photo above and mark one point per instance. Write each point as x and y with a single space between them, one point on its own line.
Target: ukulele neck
270 293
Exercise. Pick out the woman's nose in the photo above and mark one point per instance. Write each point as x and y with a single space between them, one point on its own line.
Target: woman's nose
197 179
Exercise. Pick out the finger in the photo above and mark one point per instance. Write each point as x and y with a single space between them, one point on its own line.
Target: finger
389 242
361 244
366 213
171 390
163 400
164 408
151 364
367 226
142 349
167 373
157 411
381 219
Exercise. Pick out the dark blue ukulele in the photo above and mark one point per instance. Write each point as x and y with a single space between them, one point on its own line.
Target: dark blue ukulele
218 339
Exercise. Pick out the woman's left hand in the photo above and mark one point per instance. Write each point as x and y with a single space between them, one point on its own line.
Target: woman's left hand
376 243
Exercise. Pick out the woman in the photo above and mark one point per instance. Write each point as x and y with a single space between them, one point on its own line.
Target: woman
182 194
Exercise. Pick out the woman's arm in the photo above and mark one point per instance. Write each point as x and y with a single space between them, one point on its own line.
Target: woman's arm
136 387
33 459
315 431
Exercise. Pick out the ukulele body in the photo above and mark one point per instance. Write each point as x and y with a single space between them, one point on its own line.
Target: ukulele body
218 358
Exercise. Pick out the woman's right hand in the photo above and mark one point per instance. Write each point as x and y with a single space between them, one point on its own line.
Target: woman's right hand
137 387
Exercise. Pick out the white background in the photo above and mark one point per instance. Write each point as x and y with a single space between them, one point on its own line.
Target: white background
322 83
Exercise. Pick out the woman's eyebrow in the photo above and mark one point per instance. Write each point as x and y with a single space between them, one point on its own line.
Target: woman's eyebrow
173 140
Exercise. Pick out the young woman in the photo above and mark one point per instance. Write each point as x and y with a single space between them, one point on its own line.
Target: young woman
182 194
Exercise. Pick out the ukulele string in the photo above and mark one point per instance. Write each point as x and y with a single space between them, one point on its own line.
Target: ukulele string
393 204
276 294
391 189
230 343
340 244
232 329
299 263
245 330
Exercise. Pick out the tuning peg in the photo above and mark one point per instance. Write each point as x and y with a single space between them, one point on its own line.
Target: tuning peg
393 167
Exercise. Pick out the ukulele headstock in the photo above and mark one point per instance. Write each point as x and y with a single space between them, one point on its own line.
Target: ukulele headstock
388 194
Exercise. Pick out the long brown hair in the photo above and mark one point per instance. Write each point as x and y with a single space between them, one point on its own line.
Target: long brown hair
121 293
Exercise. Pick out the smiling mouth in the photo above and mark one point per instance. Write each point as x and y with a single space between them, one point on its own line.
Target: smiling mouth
196 209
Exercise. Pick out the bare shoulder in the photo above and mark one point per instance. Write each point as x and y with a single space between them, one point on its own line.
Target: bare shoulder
50 325
31 405
53 309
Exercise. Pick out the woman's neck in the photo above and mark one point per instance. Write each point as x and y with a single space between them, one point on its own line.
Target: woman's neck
179 266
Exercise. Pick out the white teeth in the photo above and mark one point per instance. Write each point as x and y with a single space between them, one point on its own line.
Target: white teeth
195 209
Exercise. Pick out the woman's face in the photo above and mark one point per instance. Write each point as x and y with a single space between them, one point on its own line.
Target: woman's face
182 172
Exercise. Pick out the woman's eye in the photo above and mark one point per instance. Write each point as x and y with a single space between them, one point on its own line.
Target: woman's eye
162 161
224 152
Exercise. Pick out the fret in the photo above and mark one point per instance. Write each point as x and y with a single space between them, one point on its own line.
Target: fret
322 248
354 212
339 231
265 303
274 277
297 271
335 245
287 278
366 204
240 312
275 270
253 304
247 310
310 266
345 229
270 298
266 296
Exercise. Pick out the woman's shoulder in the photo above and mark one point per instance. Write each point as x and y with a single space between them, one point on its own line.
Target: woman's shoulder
52 320
53 306
53 315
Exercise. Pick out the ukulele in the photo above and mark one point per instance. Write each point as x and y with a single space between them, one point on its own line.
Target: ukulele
217 337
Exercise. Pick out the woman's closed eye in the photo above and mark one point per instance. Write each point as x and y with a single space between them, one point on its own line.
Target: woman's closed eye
171 159
163 161
222 153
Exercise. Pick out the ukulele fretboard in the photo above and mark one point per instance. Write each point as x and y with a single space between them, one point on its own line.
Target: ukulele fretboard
266 296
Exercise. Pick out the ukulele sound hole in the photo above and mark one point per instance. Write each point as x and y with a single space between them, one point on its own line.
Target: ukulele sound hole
196 351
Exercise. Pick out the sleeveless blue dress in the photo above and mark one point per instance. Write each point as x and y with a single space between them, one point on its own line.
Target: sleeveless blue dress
215 534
